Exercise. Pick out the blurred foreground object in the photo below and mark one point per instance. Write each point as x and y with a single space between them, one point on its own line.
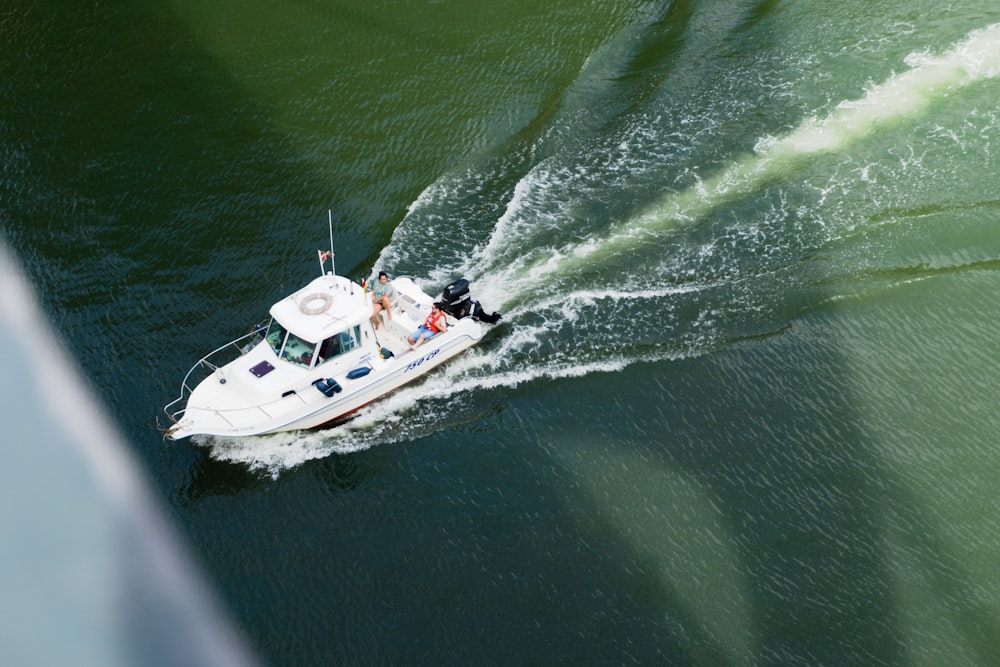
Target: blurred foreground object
91 572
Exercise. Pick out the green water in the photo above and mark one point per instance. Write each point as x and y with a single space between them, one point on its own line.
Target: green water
742 406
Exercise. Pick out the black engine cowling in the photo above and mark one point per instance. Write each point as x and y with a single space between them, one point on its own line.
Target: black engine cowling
457 301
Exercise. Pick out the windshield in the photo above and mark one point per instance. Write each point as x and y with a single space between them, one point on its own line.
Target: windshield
290 347
298 351
276 337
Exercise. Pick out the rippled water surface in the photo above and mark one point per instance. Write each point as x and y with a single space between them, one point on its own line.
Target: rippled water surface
742 406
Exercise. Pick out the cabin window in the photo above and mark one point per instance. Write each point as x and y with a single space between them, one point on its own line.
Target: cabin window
290 347
339 343
298 351
276 337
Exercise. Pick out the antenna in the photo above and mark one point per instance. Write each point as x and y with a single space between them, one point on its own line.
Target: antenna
333 265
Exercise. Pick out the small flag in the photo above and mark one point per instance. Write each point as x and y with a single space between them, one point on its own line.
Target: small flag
325 255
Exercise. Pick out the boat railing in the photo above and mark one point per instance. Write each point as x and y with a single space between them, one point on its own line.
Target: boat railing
208 364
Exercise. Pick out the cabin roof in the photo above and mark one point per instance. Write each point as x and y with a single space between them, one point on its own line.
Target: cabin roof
327 305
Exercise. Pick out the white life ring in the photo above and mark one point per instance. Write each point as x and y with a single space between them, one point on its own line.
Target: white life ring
316 303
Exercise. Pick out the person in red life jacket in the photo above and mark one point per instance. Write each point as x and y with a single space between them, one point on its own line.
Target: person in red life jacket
434 324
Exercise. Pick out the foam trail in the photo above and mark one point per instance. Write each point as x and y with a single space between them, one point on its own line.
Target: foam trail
516 287
976 58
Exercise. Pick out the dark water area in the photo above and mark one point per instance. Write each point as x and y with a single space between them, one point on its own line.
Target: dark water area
742 406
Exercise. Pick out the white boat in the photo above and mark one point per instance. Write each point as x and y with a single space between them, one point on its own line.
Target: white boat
319 359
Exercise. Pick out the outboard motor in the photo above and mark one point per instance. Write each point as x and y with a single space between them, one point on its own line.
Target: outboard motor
456 300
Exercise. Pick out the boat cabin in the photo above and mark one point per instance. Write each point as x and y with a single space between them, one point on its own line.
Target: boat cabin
324 320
